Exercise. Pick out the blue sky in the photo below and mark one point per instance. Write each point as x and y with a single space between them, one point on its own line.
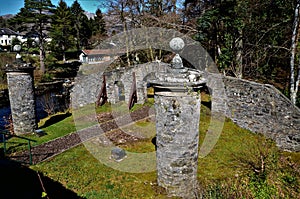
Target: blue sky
13 6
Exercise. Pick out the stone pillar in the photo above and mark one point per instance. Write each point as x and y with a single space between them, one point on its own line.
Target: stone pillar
177 104
21 96
141 92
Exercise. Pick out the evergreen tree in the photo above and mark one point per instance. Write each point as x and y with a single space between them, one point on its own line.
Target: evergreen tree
99 23
98 28
61 29
82 29
3 22
34 18
246 38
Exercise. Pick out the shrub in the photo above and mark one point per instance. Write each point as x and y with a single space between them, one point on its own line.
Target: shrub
47 77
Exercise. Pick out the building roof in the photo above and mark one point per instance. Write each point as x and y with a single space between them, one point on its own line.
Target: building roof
103 52
7 31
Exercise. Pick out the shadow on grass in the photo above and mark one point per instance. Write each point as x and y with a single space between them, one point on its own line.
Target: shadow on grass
18 181
54 119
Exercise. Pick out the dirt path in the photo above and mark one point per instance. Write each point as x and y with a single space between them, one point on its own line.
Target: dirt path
54 147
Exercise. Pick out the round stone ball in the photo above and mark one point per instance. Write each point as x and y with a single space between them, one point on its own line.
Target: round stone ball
177 44
17 48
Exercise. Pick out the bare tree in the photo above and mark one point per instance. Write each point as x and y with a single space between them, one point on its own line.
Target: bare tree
145 13
295 70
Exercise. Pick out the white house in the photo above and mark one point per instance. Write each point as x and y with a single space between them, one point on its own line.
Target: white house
98 56
7 35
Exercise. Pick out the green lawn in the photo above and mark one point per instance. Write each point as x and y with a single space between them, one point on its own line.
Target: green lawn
54 126
241 165
52 130
79 171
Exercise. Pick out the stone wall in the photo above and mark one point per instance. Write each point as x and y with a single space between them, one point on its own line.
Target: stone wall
125 78
86 89
257 107
118 84
263 109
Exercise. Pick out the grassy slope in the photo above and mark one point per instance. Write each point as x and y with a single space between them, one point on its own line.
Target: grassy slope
53 131
54 126
231 170
224 173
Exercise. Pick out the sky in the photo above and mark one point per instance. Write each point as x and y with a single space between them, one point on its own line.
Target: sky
14 6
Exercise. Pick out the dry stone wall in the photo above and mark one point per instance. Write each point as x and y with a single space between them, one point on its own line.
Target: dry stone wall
86 89
263 109
125 78
257 107
118 84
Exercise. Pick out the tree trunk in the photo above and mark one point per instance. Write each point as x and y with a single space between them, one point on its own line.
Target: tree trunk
64 53
42 60
42 48
239 57
293 82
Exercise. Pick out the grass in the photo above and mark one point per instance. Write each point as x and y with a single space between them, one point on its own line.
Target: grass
53 131
241 165
61 124
78 170
86 116
58 129
144 129
247 165
224 173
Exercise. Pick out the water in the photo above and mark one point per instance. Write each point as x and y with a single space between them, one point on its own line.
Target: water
4 113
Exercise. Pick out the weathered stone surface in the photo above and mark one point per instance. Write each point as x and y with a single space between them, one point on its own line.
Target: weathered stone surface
118 154
22 101
86 89
177 105
118 84
257 107
263 109
177 126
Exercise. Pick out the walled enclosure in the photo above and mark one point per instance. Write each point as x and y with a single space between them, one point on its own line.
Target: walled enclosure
262 108
116 81
257 107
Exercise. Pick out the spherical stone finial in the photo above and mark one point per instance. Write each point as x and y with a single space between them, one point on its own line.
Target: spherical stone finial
177 44
17 48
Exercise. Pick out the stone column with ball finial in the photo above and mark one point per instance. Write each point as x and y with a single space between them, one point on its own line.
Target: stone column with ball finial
177 105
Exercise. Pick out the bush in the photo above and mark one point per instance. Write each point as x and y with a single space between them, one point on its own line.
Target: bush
47 77
50 61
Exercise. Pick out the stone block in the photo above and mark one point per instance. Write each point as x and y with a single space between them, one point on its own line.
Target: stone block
118 154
